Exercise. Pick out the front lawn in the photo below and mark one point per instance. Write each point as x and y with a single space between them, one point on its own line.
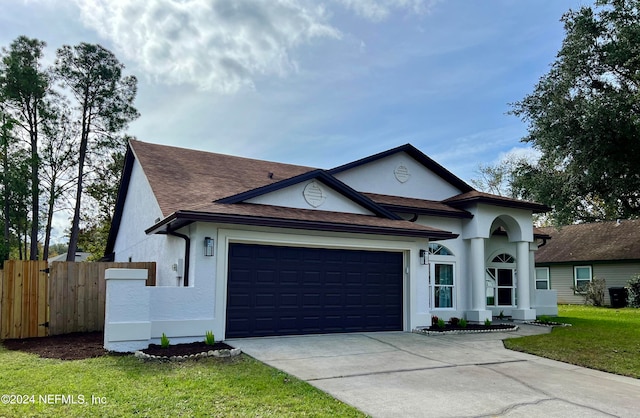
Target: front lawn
599 338
117 386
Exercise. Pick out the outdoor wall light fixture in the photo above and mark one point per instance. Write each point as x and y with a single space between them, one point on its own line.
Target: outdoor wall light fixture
208 246
423 257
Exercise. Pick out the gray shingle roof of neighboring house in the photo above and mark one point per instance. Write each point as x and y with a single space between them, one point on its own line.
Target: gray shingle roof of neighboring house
598 241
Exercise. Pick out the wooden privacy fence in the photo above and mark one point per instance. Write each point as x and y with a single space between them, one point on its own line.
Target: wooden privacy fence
39 300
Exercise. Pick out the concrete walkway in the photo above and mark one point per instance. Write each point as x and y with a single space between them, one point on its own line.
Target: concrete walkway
397 374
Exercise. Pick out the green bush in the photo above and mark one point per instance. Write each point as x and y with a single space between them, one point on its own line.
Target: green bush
594 292
164 341
209 339
633 292
463 323
441 323
487 322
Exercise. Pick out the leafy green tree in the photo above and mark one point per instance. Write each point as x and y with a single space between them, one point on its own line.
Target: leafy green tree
104 106
103 192
58 158
498 178
584 118
24 85
6 138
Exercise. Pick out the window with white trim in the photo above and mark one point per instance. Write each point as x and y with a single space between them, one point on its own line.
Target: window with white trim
582 275
542 278
500 281
443 285
438 249
442 276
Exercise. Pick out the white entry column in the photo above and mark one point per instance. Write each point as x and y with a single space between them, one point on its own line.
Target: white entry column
524 311
478 312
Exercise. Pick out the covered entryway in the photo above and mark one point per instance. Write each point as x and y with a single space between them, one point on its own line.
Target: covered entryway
279 290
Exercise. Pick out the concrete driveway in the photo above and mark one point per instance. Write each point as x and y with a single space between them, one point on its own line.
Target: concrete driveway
397 374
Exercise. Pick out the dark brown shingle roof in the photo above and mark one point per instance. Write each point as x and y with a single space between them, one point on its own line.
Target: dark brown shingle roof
598 241
186 184
184 179
398 203
475 196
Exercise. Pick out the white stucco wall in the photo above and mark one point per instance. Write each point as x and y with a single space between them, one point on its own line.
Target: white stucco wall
140 211
293 197
185 314
379 177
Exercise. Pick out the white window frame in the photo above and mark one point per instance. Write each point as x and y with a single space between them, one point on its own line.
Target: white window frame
439 254
546 280
575 278
502 261
452 286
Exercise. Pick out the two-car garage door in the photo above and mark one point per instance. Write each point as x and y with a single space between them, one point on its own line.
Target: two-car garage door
278 290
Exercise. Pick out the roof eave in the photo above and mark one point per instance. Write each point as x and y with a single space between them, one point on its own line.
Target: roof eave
534 207
123 189
460 214
180 219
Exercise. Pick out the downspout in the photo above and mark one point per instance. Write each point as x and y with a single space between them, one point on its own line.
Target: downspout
187 251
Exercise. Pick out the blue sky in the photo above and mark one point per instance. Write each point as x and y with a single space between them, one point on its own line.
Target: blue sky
318 83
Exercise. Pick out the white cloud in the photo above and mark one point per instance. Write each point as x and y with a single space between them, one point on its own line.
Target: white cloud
216 45
519 153
378 10
223 45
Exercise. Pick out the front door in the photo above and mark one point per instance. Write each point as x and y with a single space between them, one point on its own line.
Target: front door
500 286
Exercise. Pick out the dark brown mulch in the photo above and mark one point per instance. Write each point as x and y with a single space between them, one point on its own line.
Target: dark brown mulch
184 349
471 327
75 346
82 345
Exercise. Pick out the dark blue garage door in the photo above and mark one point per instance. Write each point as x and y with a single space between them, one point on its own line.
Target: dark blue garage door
275 290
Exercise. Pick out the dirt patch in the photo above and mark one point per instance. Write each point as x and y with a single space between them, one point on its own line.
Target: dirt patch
74 346
84 345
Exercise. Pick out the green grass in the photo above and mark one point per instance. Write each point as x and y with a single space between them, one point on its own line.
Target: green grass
238 387
599 338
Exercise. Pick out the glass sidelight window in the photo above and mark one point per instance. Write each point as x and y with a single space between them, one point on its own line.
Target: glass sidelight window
500 287
443 285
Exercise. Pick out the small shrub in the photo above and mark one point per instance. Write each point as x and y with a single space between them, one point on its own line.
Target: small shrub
594 292
501 315
454 321
441 323
633 292
463 323
487 322
209 339
164 341
434 321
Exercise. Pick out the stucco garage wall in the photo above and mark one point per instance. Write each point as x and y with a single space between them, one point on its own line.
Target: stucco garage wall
415 283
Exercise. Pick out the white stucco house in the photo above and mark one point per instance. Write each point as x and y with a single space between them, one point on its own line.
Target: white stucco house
256 248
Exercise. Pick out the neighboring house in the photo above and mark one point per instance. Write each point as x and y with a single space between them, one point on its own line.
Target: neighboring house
576 254
80 256
256 248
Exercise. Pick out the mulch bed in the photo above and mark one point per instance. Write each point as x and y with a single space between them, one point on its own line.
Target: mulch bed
75 346
470 327
184 349
82 345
